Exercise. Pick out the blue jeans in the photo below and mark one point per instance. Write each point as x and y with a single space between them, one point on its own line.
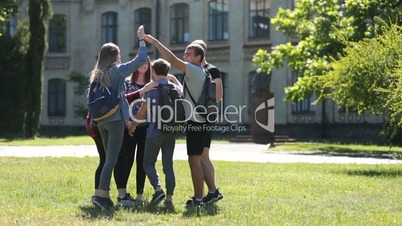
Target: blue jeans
112 138
166 142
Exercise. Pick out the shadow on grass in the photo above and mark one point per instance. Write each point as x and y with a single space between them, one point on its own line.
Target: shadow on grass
375 173
164 208
209 210
345 152
93 212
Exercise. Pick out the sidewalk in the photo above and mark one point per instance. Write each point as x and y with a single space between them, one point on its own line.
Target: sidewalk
242 152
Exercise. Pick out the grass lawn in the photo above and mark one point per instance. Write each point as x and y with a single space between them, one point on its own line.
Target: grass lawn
57 191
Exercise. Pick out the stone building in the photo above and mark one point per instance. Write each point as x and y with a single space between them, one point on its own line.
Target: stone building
233 29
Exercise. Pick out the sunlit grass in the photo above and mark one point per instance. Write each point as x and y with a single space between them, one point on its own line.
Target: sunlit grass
57 191
335 148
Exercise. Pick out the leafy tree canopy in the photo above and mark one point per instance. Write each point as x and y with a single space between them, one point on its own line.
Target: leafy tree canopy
320 29
369 76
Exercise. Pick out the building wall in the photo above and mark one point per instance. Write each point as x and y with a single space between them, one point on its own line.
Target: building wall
232 56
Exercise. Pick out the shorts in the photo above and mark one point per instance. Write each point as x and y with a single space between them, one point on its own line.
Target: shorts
197 138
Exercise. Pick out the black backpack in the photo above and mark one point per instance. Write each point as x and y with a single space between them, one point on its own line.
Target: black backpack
102 101
207 100
170 106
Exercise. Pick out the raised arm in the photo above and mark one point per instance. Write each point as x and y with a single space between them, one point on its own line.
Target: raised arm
173 79
166 53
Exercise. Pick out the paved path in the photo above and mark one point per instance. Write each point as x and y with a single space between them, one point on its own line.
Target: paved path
243 152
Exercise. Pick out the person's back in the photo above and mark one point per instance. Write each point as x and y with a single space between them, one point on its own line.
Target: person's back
111 72
191 65
157 139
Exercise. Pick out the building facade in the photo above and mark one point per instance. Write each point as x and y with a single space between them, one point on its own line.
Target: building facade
233 29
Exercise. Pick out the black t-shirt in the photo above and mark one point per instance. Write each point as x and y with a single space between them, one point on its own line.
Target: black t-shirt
213 71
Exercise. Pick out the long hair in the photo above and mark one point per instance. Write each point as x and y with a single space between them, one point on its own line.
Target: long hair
109 55
147 77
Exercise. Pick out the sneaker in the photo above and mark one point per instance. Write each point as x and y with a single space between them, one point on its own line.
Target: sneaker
126 201
193 203
103 203
157 197
212 197
168 204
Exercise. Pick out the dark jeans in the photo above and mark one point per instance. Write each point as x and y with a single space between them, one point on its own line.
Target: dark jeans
126 159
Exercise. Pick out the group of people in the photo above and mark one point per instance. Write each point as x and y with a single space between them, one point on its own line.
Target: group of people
120 136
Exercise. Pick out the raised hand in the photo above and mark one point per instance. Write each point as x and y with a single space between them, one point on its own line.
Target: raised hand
140 32
149 39
150 86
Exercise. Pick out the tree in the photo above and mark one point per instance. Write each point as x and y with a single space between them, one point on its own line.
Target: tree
369 77
39 11
13 50
81 82
318 26
327 32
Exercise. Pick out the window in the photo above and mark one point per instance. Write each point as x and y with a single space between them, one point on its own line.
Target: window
259 21
218 20
179 24
302 106
57 33
142 16
109 27
9 26
56 97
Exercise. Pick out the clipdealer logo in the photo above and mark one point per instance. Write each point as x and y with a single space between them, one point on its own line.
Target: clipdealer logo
269 105
230 114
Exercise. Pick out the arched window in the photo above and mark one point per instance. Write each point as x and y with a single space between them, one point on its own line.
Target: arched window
109 27
57 33
179 23
257 82
56 97
9 26
218 11
142 16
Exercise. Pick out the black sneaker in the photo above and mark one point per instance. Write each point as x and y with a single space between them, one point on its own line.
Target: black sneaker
212 197
126 201
157 197
193 203
168 204
103 203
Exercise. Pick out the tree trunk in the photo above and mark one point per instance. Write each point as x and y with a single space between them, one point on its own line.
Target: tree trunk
38 11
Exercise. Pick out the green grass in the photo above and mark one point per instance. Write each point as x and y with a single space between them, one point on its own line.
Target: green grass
57 191
339 149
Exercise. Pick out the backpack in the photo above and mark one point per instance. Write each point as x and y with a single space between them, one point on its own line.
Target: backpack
170 106
207 100
102 101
